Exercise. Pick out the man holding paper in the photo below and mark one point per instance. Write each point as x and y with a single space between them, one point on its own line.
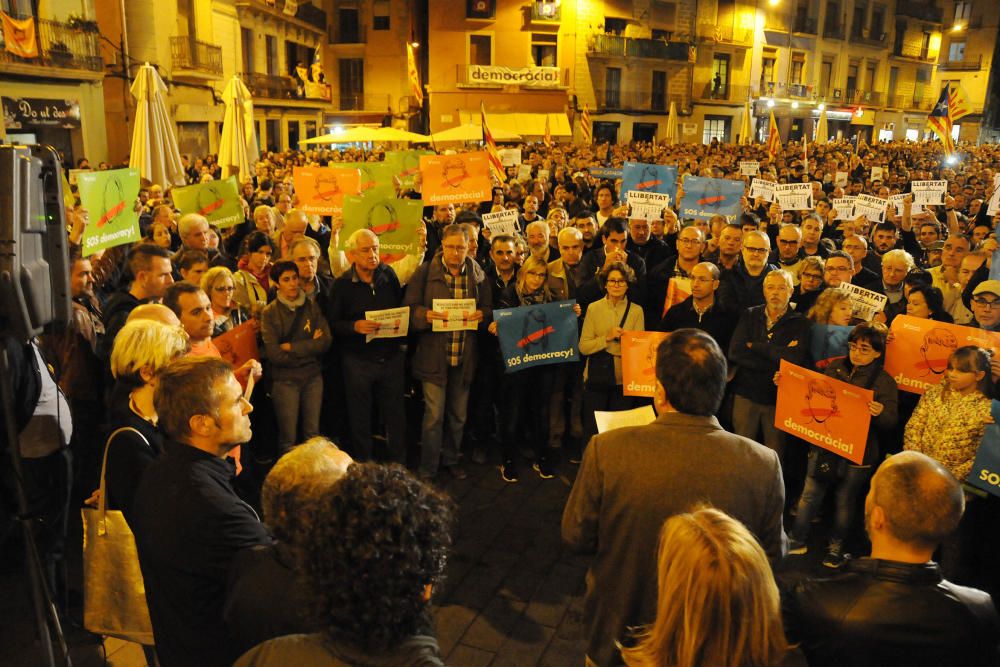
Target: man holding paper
370 325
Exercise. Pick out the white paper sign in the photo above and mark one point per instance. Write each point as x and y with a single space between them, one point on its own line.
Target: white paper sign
647 212
634 197
840 179
749 168
930 193
458 311
876 173
543 174
873 208
864 302
794 196
761 189
510 157
524 172
502 222
994 205
897 201
392 322
844 206
609 421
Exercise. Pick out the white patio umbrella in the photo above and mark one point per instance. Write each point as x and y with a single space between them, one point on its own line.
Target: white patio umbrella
238 147
746 126
672 136
154 149
822 134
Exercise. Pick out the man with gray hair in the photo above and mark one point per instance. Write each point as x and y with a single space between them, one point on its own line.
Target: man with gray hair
195 232
742 287
537 233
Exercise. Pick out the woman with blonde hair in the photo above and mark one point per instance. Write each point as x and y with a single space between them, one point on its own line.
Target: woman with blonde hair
718 604
220 286
831 317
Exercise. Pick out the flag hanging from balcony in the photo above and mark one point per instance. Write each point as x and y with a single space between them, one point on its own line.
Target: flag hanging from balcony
585 128
959 105
548 133
411 71
939 121
773 138
19 36
496 166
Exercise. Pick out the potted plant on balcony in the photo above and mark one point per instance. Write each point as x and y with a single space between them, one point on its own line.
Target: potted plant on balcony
60 54
82 24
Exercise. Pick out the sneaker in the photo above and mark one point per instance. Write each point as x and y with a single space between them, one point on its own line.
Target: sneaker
543 469
835 556
796 548
457 471
508 472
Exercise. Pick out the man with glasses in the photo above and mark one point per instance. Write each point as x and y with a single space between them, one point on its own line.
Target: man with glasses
789 253
701 310
690 244
810 285
986 306
742 287
857 247
839 268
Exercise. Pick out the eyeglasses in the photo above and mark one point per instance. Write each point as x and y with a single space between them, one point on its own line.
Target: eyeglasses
703 280
989 303
454 248
789 242
224 289
617 281
863 348
689 241
755 251
836 269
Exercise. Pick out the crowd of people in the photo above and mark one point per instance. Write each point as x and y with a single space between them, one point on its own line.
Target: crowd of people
355 531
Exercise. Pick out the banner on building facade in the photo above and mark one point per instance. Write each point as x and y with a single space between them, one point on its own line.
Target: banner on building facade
529 77
21 113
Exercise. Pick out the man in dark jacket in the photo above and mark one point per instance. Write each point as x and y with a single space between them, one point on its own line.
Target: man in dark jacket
741 287
701 310
151 275
895 608
445 360
373 372
189 523
615 240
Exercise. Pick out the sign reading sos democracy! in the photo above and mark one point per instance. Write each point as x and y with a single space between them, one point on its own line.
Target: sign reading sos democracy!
537 335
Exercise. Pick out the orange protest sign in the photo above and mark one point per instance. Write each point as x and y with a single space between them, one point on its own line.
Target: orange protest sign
678 289
321 190
917 355
238 345
450 179
823 411
639 361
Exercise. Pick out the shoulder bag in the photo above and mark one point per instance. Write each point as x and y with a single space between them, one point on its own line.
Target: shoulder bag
601 365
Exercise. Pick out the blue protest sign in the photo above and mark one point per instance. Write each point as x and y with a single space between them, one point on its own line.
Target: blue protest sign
827 342
985 473
705 197
640 177
537 335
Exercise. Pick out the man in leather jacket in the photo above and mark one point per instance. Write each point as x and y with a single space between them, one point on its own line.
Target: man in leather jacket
895 608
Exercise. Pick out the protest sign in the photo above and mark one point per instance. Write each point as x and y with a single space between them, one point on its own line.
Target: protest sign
609 421
897 202
678 289
917 355
537 335
524 172
645 212
823 411
840 179
510 157
374 176
321 190
985 472
639 361
828 342
109 197
930 193
877 173
458 312
705 197
502 222
844 206
218 201
543 174
761 189
451 179
394 221
660 178
405 166
748 168
794 196
873 208
994 206
609 173
392 322
238 345
646 198
865 303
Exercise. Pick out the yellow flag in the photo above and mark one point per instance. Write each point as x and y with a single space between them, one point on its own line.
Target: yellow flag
19 36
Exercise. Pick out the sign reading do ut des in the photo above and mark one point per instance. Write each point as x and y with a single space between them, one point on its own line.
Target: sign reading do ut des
24 112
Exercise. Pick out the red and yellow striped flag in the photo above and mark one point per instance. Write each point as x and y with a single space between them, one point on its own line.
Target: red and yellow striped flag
585 128
547 139
411 71
939 121
496 166
959 105
773 138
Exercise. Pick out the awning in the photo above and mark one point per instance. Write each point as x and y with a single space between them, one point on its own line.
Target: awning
867 119
524 124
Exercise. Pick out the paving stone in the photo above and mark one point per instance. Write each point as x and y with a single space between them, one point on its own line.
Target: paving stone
562 652
494 623
521 583
467 656
480 585
525 646
450 623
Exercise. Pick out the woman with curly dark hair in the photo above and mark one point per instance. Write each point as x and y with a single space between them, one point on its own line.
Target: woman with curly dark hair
369 567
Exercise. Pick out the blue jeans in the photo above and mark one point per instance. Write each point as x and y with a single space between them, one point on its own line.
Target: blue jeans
380 383
437 447
293 400
849 489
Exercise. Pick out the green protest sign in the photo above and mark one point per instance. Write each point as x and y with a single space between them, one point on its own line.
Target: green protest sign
109 198
375 177
405 166
219 201
395 221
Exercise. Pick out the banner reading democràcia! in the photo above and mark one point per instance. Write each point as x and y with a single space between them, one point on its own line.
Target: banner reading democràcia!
452 179
321 190
218 201
917 355
639 176
705 197
537 335
239 344
985 472
394 221
405 166
109 198
639 361
823 411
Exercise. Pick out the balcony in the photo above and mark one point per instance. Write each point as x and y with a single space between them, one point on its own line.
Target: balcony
805 25
615 101
709 93
199 58
269 86
877 40
347 33
63 48
725 34
304 14
973 65
910 103
912 51
921 11
867 97
312 15
631 47
833 31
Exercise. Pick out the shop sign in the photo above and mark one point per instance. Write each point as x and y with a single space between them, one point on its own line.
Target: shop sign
23 112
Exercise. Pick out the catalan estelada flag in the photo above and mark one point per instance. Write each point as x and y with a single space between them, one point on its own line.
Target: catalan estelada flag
547 139
773 138
959 105
585 129
496 166
411 72
19 36
939 121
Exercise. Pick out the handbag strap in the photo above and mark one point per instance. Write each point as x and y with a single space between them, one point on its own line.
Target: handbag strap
628 304
102 502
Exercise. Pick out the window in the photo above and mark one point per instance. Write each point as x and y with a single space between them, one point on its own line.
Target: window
480 49
349 21
293 134
480 9
612 87
832 21
893 79
858 20
870 76
963 10
352 83
852 78
716 127
246 44
658 98
798 68
956 52
878 22
644 131
271 54
767 72
662 35
613 26
273 135
720 76
606 132
543 49
297 53
825 77
380 15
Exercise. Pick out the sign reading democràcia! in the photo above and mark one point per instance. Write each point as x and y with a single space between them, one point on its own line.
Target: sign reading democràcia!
823 411
529 77
452 179
537 335
218 201
705 197
239 344
321 190
639 176
639 361
109 197
394 221
917 355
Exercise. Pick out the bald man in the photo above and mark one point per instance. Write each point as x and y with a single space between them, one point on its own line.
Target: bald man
296 223
896 608
156 312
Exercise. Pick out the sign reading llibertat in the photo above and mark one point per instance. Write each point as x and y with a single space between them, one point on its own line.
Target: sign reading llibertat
530 77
